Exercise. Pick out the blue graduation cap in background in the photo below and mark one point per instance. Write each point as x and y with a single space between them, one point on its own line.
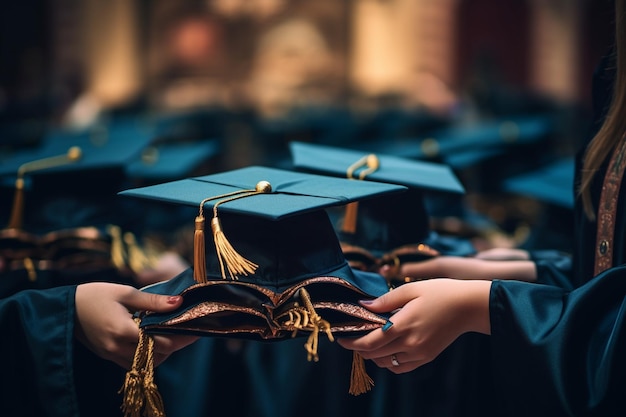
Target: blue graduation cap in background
371 230
463 146
106 146
86 162
552 184
172 160
60 220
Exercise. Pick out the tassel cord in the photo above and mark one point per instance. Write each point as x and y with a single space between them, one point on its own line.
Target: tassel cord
360 381
140 392
350 218
199 255
230 260
133 388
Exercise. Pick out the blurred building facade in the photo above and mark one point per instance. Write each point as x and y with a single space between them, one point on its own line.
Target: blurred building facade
274 52
260 73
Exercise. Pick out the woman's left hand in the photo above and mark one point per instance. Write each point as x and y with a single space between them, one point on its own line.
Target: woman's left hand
429 316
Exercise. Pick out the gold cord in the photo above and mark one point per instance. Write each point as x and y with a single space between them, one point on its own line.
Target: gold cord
17 212
371 163
118 254
230 260
139 392
306 318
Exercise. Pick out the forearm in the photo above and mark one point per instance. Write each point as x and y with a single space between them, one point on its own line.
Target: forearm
471 269
509 270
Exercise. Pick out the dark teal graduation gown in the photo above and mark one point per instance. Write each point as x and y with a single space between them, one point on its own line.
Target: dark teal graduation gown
559 353
37 337
47 373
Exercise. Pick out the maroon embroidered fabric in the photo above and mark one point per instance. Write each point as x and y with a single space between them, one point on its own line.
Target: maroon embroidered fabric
607 209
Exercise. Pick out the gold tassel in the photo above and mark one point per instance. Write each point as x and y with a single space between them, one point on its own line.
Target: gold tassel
18 205
230 260
133 390
137 258
349 218
31 270
134 396
360 381
154 401
351 211
140 393
118 253
17 212
199 255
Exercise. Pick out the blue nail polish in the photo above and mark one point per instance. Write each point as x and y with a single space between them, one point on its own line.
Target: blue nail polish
387 325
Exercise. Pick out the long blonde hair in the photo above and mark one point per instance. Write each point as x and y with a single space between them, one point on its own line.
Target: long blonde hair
614 126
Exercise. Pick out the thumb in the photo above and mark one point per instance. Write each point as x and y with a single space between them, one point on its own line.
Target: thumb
390 301
136 300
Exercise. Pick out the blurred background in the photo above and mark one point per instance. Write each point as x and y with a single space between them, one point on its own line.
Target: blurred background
495 89
158 90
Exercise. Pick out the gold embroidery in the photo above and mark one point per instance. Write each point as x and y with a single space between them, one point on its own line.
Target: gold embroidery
607 208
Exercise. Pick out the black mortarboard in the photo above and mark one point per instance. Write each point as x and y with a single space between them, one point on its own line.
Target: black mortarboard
374 228
273 267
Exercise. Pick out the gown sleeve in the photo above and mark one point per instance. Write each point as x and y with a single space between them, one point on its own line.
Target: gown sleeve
557 352
553 267
37 340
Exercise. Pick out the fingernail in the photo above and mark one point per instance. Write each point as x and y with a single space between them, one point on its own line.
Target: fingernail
173 299
387 325
366 302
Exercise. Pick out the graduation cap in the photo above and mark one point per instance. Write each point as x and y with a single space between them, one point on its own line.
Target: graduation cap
551 187
272 267
103 146
467 145
371 230
58 221
171 161
552 183
86 162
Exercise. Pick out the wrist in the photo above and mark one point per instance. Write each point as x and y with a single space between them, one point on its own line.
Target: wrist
475 310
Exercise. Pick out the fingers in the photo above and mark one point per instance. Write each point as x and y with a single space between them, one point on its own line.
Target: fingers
400 363
164 346
136 300
385 342
392 300
393 360
371 346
